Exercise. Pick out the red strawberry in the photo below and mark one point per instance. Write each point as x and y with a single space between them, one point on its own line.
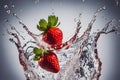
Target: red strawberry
51 35
50 62
47 60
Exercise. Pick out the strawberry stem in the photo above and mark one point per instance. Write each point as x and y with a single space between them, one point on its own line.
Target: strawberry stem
38 53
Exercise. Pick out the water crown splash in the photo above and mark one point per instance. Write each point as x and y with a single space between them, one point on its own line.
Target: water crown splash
79 61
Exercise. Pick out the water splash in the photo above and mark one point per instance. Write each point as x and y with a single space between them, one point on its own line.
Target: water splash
6 6
82 62
9 10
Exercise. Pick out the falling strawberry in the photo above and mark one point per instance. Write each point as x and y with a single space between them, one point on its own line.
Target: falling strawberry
51 33
47 60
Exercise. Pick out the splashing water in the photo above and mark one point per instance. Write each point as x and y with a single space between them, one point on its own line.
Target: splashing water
10 11
117 2
79 61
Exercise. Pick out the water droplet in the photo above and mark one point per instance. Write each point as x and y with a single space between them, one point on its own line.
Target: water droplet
117 2
8 11
13 28
14 14
53 11
12 6
104 7
6 20
6 6
83 0
36 1
11 39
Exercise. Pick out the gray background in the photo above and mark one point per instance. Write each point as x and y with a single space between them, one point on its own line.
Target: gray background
67 10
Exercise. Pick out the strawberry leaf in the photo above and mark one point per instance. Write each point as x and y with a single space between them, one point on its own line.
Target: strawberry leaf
56 21
36 50
36 58
52 20
42 25
38 53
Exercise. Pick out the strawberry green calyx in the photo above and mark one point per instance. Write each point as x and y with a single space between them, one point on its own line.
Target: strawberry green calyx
38 53
42 25
52 21
45 25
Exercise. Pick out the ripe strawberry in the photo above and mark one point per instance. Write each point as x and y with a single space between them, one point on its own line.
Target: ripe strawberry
51 35
47 60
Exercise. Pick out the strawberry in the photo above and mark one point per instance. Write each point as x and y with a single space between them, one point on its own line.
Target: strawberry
47 60
51 34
